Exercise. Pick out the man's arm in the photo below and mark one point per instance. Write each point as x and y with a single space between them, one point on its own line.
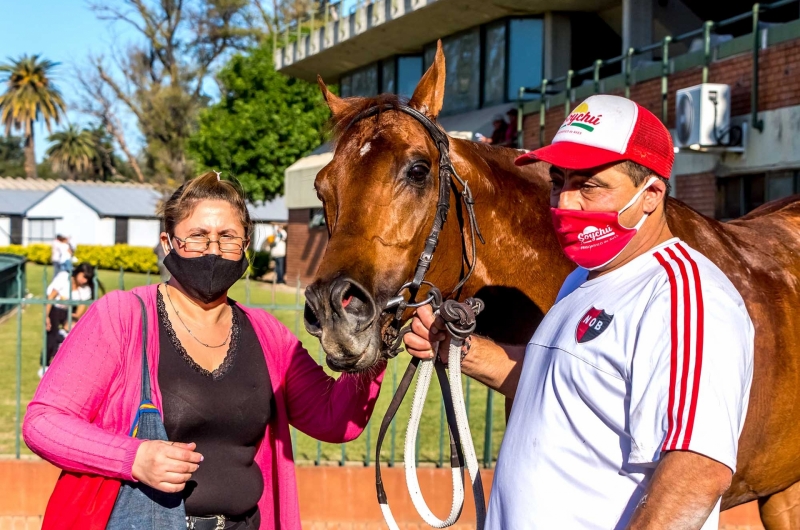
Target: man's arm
496 366
682 493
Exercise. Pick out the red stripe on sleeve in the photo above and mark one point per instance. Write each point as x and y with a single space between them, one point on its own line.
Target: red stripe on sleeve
698 363
673 365
687 344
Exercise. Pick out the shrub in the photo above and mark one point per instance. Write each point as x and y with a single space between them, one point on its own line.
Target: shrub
131 259
37 253
259 263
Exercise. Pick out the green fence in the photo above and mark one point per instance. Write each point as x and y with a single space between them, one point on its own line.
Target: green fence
28 335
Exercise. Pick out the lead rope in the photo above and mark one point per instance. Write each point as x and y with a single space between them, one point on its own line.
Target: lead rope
460 320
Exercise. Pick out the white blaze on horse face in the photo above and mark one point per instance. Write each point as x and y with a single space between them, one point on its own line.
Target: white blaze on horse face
365 149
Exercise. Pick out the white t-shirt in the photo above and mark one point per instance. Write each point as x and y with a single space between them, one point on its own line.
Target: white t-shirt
62 283
60 252
279 247
652 357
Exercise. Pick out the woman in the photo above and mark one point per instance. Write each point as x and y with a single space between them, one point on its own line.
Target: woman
65 286
227 379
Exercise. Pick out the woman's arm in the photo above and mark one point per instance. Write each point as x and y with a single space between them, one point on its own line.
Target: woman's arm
52 296
59 422
331 410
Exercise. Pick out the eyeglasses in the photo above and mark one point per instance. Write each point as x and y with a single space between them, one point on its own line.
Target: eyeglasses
227 244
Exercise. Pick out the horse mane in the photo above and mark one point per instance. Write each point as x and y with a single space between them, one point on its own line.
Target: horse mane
339 123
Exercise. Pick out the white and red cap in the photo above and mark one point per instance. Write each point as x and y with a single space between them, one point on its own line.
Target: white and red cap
607 129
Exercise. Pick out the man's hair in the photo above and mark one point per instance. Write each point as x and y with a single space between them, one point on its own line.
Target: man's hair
639 174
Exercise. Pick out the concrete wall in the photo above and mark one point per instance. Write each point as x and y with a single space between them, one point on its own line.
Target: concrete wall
5 231
331 498
143 232
73 218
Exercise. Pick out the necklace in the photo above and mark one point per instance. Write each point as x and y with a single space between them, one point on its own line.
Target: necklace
178 314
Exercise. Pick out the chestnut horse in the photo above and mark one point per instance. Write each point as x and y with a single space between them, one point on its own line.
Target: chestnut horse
379 193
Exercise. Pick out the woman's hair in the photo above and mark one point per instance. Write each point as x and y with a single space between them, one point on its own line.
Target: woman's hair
205 187
88 271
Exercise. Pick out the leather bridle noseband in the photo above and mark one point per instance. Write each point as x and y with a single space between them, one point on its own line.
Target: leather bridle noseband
447 173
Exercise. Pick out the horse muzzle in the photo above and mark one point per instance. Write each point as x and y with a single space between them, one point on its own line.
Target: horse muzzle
343 315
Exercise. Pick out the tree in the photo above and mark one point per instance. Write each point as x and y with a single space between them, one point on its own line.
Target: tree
30 96
12 157
73 151
160 80
263 122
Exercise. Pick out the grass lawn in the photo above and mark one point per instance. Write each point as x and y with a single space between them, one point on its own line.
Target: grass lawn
432 440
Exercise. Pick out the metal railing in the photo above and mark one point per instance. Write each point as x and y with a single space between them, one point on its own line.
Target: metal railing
21 301
625 60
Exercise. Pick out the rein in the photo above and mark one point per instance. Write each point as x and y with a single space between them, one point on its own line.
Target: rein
460 321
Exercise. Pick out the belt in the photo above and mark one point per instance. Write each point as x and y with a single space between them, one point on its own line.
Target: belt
213 522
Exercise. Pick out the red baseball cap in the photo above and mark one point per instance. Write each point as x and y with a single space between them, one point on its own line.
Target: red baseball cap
607 129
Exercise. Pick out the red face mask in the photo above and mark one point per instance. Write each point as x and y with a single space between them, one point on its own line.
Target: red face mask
594 239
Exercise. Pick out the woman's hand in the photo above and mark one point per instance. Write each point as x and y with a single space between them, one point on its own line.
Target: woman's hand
47 325
165 466
428 332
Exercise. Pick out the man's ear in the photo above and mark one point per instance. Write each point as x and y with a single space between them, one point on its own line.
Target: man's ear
429 95
335 103
654 196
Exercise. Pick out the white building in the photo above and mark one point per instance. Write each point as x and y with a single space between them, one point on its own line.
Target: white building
97 213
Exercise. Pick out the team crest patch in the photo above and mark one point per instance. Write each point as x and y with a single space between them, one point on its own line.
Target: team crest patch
593 323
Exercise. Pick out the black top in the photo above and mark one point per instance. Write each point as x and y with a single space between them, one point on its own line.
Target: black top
225 412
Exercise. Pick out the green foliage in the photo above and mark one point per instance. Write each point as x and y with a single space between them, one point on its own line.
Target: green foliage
263 123
12 157
72 151
131 259
37 253
259 262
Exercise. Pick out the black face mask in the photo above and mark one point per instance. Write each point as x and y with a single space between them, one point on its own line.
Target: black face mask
208 277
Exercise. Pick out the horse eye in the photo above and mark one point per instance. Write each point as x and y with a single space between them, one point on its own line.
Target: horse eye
418 173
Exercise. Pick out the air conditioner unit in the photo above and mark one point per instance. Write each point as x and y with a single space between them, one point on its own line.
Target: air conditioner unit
702 116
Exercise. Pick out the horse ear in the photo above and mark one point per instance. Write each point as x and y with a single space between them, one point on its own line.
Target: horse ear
335 103
429 95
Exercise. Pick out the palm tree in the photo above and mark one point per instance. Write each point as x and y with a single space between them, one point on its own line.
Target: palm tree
73 150
30 96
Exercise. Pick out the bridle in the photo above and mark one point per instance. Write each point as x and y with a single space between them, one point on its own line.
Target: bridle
447 174
460 321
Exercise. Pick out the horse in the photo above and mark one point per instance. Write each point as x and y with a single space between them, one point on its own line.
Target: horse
379 194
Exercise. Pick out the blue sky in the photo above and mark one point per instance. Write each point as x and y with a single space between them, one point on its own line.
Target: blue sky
65 31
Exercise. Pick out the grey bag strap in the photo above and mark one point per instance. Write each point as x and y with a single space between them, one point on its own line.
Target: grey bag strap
146 393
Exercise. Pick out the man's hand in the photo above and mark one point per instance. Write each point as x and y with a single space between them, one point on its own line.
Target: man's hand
165 466
496 366
682 493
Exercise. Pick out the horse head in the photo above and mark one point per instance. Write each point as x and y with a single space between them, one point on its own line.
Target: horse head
379 195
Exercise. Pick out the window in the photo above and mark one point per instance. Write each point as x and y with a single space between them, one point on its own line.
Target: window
409 71
345 86
365 81
494 64
462 85
525 54
16 230
388 77
316 218
40 230
782 184
120 230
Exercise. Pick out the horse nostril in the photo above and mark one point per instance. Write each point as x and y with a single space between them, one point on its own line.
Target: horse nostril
311 314
353 300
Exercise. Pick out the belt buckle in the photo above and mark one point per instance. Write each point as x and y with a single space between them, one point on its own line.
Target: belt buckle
220 522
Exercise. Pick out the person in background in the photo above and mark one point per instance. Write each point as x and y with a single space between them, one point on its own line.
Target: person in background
511 130
278 253
81 284
499 127
60 254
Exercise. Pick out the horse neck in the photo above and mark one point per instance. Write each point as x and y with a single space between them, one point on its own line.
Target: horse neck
512 206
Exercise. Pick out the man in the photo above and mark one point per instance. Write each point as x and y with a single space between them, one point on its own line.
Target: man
60 254
633 390
278 253
499 128
511 130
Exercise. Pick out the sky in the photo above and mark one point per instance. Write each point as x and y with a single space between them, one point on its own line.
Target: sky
65 31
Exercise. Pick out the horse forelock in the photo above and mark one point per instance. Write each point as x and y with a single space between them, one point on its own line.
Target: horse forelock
341 122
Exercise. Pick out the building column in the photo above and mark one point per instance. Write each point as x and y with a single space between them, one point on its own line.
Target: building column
557 44
637 26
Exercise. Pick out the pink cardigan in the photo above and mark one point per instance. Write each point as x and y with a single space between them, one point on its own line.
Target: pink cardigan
85 404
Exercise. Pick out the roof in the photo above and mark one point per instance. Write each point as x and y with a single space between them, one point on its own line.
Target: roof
274 210
12 183
17 201
117 200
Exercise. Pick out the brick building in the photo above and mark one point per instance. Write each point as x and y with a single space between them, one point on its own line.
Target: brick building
495 47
